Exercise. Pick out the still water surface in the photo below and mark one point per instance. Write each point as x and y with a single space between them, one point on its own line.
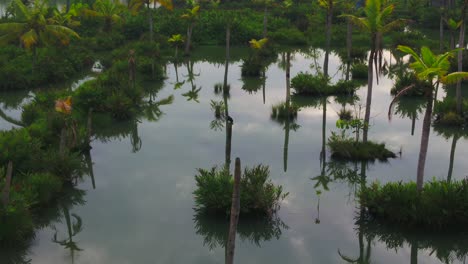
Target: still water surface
141 209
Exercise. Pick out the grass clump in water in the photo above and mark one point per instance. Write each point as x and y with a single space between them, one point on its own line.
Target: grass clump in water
440 205
359 71
349 149
258 195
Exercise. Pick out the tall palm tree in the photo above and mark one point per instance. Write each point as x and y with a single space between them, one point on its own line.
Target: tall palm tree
33 28
433 69
191 16
375 23
109 10
137 5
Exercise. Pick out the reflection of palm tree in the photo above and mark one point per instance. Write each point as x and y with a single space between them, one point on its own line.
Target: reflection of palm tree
73 228
288 117
135 139
364 251
191 95
410 108
455 134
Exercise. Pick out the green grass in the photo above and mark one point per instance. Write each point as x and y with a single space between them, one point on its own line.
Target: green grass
312 85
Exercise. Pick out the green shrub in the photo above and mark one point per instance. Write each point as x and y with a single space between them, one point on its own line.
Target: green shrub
345 114
308 84
258 195
359 71
349 149
288 36
440 205
16 225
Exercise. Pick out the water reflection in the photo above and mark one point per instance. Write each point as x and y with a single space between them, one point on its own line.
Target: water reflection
456 134
214 230
410 107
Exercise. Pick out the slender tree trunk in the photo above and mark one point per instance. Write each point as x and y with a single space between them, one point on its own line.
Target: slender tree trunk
264 85
323 154
265 21
349 39
228 55
288 105
426 130
228 144
370 82
413 124
414 253
188 43
441 31
235 210
150 21
461 43
452 157
328 38
6 188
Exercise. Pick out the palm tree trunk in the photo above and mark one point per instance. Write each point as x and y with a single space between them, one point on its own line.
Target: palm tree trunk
461 43
328 39
189 39
228 144
150 21
234 218
426 129
414 253
288 104
413 124
265 21
441 30
323 155
264 85
452 157
6 188
228 55
370 81
349 39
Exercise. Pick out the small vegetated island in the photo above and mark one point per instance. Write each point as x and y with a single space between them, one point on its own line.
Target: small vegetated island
48 151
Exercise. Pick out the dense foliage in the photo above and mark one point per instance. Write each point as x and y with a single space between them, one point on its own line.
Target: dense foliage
258 195
440 205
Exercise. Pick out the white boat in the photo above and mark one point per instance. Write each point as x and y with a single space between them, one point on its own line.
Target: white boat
97 67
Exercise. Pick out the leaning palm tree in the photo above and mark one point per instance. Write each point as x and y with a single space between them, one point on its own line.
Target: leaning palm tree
376 23
433 69
33 28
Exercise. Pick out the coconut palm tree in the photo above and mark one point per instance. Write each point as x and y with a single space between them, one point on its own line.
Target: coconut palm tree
109 10
33 28
191 16
176 40
375 23
137 5
433 69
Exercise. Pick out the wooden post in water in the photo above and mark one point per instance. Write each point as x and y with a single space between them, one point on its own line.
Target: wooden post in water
6 189
235 208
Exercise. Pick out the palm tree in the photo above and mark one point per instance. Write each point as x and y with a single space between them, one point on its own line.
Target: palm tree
109 10
376 24
191 16
176 40
137 5
433 69
328 5
33 28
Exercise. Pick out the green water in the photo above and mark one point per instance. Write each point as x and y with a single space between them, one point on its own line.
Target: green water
138 207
